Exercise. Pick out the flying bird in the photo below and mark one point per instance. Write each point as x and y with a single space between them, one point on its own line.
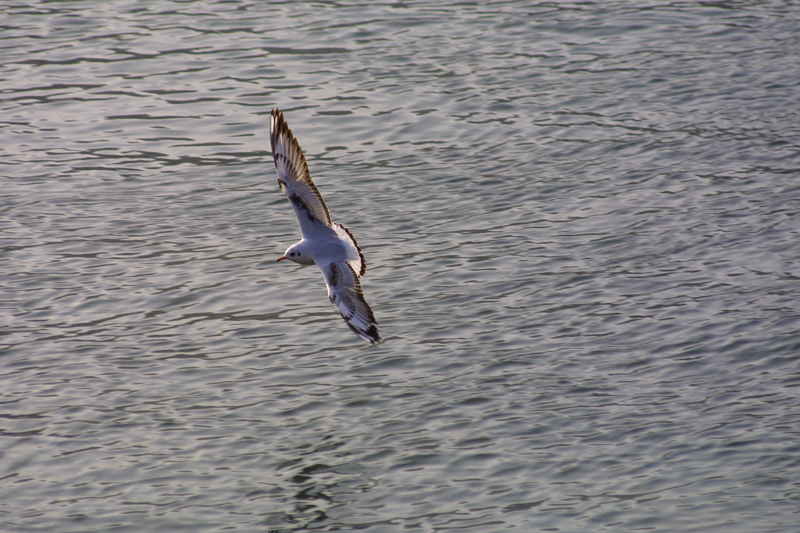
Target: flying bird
327 244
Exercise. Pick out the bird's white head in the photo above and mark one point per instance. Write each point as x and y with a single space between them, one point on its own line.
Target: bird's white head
298 254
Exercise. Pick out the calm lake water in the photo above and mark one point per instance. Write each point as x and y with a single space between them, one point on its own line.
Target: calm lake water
582 225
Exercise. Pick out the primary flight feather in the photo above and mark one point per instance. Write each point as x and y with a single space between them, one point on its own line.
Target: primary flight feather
329 245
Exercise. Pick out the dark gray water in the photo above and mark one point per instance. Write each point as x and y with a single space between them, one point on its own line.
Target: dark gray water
582 223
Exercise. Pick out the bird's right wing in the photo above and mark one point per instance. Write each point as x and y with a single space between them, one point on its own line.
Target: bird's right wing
295 180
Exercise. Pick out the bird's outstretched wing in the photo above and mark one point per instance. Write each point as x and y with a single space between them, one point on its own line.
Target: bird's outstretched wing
345 293
354 255
295 180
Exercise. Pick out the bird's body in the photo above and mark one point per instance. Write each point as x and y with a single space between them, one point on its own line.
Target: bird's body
329 245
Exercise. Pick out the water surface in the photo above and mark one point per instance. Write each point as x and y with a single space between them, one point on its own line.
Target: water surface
581 226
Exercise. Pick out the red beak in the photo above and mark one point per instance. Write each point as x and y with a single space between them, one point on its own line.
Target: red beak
281 258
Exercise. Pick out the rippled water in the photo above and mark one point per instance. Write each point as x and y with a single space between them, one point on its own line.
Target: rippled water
581 222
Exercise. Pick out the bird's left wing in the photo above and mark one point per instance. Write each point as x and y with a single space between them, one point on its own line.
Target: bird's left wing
344 291
294 178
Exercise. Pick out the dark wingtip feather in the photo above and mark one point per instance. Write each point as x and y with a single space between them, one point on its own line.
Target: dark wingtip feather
370 335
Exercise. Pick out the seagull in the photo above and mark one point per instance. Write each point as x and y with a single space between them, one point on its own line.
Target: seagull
329 245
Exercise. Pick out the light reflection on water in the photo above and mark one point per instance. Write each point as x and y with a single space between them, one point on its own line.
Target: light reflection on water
580 223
